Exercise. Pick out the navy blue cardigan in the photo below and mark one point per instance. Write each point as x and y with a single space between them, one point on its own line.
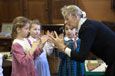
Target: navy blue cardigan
98 39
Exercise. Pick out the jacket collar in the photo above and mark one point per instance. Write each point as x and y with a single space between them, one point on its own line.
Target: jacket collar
67 38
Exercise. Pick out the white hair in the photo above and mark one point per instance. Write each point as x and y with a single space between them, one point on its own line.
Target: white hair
73 10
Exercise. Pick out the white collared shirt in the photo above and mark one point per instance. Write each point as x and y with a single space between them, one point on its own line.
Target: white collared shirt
68 50
82 20
24 43
67 38
32 39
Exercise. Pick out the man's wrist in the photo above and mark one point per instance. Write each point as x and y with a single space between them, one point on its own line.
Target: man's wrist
64 48
68 51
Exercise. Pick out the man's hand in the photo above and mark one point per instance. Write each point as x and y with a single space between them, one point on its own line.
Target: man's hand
59 42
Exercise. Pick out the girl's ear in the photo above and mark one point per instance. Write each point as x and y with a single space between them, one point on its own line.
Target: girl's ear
18 30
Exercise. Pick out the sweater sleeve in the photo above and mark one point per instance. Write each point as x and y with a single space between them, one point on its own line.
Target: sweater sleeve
20 56
37 52
87 37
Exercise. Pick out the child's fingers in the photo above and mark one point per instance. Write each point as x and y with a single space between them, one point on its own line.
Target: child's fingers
38 37
51 37
38 41
50 40
67 44
44 39
75 37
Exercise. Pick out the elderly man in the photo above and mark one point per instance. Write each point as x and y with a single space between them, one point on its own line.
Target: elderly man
95 37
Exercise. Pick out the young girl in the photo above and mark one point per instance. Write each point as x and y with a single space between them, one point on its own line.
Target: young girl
23 53
67 66
41 63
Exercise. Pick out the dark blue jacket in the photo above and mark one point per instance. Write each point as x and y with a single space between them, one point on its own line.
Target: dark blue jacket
98 39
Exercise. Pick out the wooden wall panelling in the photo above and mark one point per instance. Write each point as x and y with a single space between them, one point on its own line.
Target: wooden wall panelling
3 10
14 9
98 9
11 9
47 11
36 9
55 9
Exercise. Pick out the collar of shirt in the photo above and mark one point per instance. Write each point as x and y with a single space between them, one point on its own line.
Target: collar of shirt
82 20
67 38
32 39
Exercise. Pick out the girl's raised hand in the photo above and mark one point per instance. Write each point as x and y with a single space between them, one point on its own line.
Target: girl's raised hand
74 42
35 46
43 41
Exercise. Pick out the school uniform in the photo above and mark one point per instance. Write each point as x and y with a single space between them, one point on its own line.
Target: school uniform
67 66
